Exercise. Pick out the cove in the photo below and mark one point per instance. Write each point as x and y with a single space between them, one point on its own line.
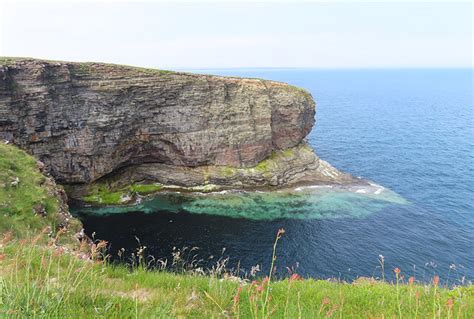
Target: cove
236 225
408 130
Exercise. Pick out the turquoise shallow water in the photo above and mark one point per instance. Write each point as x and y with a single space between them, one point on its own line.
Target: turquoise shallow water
408 130
313 202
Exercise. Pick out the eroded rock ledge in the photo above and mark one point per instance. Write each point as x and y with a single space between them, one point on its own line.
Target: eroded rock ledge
95 121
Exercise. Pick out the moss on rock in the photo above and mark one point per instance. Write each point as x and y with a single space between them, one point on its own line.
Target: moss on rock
105 194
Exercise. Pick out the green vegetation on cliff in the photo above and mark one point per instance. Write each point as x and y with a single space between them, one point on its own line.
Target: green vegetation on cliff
28 200
107 191
104 194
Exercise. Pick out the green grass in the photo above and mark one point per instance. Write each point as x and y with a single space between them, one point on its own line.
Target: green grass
145 188
47 281
106 198
17 202
4 60
102 193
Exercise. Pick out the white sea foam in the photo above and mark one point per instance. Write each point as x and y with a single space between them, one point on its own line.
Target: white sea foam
378 191
299 189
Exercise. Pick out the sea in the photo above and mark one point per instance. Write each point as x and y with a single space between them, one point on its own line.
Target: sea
408 131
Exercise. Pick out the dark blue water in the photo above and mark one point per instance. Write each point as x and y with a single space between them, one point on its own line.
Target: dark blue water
411 131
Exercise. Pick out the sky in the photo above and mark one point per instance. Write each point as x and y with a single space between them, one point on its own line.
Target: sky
199 35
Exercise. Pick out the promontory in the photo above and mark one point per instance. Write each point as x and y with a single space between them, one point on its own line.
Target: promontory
95 123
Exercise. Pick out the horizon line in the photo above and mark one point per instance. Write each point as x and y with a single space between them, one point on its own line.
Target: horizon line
193 68
324 68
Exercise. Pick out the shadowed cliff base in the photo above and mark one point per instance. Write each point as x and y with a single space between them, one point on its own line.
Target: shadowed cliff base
283 170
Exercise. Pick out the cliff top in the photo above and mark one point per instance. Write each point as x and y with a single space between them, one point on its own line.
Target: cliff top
89 66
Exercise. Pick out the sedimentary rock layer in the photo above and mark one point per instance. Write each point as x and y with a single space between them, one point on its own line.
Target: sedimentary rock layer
87 120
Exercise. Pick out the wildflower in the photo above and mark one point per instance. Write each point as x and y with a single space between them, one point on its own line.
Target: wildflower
411 280
254 270
449 303
62 230
6 238
418 294
382 265
295 277
436 280
331 311
237 295
265 281
35 240
280 233
59 251
396 271
326 301
102 244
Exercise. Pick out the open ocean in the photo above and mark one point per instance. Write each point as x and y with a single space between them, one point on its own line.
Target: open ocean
411 131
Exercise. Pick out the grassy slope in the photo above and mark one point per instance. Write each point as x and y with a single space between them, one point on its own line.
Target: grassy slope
49 281
33 188
49 276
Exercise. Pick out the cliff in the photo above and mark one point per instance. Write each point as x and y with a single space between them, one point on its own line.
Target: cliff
88 121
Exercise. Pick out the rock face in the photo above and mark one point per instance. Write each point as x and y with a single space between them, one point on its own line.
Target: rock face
88 120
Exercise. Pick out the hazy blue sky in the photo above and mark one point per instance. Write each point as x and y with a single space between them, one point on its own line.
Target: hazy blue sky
213 35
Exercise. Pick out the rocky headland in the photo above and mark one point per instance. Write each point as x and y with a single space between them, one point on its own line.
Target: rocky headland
96 124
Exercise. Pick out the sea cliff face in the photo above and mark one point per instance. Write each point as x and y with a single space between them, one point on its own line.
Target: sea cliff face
91 121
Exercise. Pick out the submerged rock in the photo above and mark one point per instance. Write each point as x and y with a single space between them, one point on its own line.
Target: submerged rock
95 123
